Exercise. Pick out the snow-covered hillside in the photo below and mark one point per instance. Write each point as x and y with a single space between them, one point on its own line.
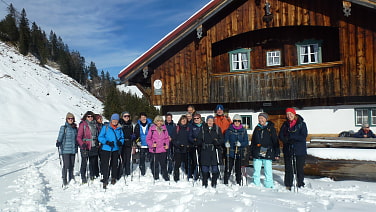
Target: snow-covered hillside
33 104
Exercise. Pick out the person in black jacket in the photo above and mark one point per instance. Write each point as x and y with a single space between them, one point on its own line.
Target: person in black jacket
181 145
170 125
293 134
126 150
264 149
195 146
365 132
212 139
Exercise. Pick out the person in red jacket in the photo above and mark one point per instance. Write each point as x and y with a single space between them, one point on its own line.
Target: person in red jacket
221 120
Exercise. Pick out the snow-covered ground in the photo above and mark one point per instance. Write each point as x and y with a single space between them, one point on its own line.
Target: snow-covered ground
33 105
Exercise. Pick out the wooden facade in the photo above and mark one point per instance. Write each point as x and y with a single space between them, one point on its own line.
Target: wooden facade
196 70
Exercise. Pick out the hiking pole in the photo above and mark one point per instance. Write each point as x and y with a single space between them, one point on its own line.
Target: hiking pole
197 169
131 163
227 175
58 151
188 164
139 163
295 172
219 168
154 151
87 170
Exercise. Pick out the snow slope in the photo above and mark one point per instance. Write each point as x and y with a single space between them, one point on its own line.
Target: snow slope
34 101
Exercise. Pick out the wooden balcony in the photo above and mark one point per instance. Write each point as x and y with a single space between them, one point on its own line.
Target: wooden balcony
276 84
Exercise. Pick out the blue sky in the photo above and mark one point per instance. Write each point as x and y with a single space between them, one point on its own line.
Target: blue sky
111 33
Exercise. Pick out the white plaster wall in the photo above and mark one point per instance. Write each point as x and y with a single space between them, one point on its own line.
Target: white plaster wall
319 120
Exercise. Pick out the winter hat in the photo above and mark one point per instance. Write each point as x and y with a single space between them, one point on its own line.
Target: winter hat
125 112
97 116
209 117
115 116
69 115
265 115
291 110
365 125
219 107
237 117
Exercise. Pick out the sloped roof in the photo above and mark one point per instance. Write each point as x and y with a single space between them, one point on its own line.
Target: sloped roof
186 27
366 3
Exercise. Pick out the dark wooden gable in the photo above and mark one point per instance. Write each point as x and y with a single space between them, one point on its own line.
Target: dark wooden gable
196 71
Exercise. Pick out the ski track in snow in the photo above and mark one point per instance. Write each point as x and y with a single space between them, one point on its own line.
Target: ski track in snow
39 188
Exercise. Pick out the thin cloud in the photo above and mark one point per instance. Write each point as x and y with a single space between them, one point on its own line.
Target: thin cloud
109 33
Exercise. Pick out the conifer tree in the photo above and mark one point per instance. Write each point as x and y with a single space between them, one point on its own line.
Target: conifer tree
24 40
8 26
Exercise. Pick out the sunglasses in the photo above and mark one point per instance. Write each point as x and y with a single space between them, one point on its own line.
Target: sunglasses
90 116
126 116
197 118
237 121
70 118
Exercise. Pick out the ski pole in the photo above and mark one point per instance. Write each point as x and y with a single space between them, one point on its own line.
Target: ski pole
58 151
227 175
154 151
295 172
131 164
219 168
188 163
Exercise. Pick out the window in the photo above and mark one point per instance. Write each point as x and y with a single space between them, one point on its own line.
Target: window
240 60
247 121
365 115
273 58
309 52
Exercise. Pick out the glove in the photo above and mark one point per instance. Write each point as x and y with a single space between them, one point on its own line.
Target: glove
119 143
238 144
58 144
110 143
84 146
227 144
138 144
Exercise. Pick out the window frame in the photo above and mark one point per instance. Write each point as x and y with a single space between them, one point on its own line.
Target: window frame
370 116
250 127
239 52
309 43
267 57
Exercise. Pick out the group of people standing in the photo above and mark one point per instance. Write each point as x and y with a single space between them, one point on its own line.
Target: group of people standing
196 146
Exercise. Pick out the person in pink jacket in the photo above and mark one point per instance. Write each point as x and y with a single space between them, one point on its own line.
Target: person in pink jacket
87 139
158 142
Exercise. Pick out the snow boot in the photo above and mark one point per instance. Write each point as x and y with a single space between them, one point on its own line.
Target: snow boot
226 177
105 185
205 176
113 181
65 182
214 179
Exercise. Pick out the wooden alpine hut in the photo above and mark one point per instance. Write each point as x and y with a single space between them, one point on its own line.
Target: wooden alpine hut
265 55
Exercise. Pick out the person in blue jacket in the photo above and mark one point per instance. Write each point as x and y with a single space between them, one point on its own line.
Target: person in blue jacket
141 131
236 139
112 139
67 145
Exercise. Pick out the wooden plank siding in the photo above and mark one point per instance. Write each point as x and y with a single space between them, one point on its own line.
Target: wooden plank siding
196 74
265 85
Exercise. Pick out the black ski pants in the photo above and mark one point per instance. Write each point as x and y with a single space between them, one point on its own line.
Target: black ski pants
290 167
109 163
159 159
180 158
